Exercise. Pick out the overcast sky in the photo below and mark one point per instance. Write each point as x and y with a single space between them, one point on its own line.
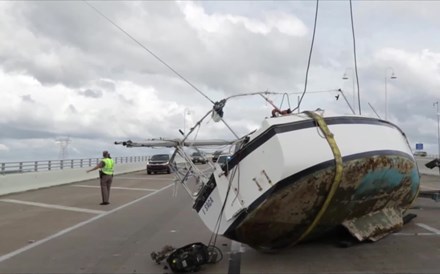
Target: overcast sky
66 72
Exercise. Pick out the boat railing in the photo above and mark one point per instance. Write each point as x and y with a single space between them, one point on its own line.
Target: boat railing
50 165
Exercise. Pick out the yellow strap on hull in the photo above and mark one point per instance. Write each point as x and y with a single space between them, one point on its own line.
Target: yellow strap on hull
338 174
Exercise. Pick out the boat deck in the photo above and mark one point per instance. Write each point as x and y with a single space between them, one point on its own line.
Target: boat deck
63 229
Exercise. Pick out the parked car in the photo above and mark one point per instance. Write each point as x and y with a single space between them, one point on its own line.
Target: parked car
420 153
196 157
215 155
223 159
159 163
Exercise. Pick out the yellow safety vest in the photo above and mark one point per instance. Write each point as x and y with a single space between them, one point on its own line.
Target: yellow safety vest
108 167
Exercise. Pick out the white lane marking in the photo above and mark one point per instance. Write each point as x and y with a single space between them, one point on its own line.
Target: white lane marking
236 247
414 234
429 187
77 209
431 229
117 187
69 229
148 178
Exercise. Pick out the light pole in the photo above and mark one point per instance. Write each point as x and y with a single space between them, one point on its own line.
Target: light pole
345 77
386 91
438 129
185 112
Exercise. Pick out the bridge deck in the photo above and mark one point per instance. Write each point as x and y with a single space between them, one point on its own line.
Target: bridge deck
63 229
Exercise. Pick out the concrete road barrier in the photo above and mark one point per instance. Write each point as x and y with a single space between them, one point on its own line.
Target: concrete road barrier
12 183
422 161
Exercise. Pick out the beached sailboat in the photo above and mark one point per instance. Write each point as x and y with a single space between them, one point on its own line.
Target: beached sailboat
300 175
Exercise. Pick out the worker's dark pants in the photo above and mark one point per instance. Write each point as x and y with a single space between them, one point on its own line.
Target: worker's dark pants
106 182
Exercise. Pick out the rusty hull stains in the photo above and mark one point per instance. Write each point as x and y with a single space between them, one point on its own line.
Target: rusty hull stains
368 185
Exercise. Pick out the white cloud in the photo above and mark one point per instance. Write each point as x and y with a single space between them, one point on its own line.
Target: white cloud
65 71
4 147
218 22
423 65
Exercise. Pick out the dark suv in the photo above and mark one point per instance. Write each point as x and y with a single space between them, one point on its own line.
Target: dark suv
222 160
216 154
159 163
198 158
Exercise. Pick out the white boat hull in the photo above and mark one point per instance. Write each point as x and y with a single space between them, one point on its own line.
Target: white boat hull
276 192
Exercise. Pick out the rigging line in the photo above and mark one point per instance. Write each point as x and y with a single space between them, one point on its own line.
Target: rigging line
219 220
355 58
315 91
233 132
149 51
232 176
238 169
217 226
310 57
282 100
197 125
277 93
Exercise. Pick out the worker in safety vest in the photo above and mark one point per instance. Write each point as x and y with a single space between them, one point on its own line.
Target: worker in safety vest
106 176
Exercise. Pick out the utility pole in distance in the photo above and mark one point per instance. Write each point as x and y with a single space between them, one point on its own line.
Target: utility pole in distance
436 162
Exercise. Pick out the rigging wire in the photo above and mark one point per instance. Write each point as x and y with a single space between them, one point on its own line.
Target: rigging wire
215 232
239 155
148 50
160 60
234 172
315 91
213 238
355 58
266 92
310 57
282 100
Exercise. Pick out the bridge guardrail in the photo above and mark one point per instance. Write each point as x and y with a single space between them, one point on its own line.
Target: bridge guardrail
50 165
422 161
30 175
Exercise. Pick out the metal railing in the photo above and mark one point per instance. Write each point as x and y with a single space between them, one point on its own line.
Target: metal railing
49 165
